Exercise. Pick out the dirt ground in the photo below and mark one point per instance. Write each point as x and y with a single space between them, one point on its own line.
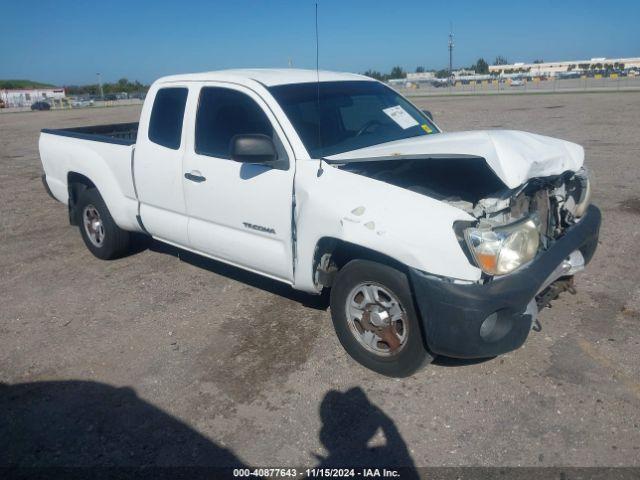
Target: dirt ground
169 359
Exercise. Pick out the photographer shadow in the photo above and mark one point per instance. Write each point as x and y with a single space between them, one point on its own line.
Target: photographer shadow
89 424
356 433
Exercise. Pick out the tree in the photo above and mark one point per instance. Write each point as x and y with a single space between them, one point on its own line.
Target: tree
444 73
397 72
374 74
500 60
10 84
419 69
481 66
122 85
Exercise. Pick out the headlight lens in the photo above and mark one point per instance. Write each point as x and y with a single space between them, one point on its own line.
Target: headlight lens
585 196
501 250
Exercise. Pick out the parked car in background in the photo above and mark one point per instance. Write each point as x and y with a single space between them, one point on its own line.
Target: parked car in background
82 102
110 97
516 83
40 106
431 243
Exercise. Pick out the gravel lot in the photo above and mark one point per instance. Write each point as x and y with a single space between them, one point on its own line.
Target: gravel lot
165 358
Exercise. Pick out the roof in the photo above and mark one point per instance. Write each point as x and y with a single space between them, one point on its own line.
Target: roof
267 76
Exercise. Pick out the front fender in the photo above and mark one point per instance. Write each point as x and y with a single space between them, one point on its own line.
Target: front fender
413 229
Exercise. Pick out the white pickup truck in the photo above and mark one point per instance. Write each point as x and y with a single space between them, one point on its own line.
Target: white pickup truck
432 243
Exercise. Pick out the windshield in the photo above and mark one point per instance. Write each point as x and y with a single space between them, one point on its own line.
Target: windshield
353 115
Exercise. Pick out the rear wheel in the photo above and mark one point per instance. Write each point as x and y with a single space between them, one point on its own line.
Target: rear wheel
374 317
100 233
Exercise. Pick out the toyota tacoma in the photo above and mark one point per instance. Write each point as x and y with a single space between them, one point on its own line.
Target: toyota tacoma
430 243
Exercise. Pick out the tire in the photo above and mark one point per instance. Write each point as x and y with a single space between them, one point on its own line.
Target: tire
110 241
392 287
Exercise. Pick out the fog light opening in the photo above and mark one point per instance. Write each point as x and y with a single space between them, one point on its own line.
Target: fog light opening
495 326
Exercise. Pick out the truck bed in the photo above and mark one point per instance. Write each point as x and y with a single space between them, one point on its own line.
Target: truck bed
102 155
118 133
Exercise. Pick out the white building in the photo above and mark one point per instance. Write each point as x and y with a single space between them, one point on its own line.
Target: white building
551 69
463 72
420 77
24 97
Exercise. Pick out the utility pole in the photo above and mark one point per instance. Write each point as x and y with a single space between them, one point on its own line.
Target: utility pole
100 86
450 53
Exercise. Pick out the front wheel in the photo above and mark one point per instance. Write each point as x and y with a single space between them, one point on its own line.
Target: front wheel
375 320
100 233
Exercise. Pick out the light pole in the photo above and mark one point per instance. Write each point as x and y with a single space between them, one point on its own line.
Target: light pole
100 86
450 54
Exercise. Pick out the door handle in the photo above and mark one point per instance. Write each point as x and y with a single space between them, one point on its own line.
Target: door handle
194 178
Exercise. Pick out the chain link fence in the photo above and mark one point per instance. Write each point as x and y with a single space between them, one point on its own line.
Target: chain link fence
536 85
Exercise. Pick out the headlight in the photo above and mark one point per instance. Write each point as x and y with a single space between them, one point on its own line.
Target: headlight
585 193
501 250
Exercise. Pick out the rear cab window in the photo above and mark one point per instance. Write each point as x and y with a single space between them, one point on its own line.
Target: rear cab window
167 115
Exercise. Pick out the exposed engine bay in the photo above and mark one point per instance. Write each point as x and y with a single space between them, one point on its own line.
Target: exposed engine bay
470 184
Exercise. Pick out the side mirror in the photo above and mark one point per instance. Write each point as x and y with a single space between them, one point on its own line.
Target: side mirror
428 114
256 149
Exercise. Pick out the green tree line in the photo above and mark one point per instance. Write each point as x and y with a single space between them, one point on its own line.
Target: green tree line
17 84
481 66
122 85
396 72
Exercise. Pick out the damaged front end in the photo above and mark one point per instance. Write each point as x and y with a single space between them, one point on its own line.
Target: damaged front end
528 227
529 216
549 206
556 202
512 227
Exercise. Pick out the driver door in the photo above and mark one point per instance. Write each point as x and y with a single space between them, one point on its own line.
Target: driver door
239 213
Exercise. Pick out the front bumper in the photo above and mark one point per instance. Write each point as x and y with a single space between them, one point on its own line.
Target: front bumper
452 314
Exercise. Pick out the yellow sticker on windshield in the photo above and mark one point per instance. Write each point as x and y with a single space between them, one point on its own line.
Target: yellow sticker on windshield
426 128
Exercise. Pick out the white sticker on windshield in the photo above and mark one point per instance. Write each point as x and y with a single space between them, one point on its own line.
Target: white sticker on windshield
401 117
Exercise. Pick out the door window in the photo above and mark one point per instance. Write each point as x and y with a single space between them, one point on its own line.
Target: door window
224 113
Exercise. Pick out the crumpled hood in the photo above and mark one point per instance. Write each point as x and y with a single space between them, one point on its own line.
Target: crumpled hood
514 156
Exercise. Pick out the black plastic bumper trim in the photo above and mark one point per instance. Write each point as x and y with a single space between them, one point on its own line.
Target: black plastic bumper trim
452 313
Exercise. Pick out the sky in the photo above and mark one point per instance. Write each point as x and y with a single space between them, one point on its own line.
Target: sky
68 42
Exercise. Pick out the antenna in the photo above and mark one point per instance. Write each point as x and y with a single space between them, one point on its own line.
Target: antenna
318 93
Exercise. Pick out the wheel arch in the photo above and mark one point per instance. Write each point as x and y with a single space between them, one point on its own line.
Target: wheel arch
331 254
76 184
